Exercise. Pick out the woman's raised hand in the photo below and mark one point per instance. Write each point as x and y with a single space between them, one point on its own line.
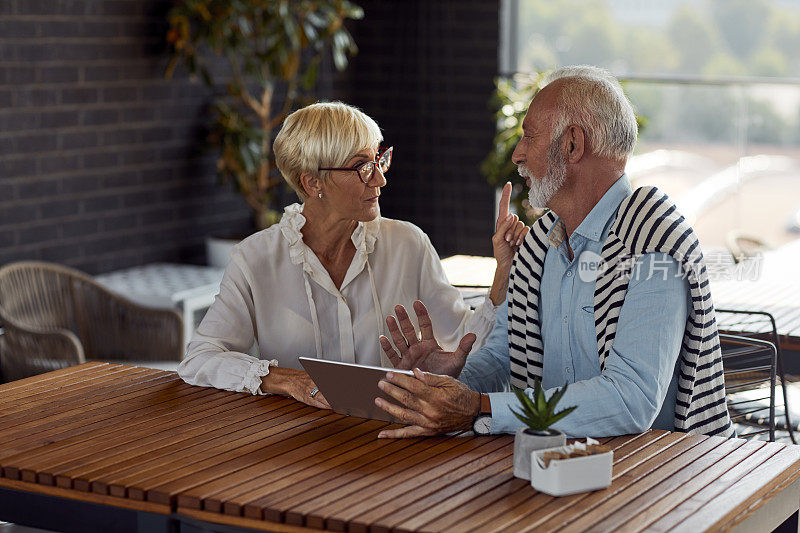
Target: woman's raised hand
509 233
508 236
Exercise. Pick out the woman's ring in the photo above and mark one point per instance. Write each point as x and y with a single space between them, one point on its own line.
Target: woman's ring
313 392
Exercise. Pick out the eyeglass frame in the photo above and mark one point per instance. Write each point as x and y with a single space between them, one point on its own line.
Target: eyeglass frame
381 152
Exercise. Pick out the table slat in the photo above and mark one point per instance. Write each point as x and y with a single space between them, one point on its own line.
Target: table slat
642 482
52 399
625 472
84 474
359 474
73 424
61 375
471 487
463 517
781 467
176 460
211 496
105 399
271 442
51 461
305 474
697 500
651 504
427 484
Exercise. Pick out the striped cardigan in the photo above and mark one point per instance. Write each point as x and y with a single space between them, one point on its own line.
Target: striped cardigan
647 221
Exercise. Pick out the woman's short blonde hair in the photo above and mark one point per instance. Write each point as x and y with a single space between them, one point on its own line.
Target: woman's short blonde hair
325 134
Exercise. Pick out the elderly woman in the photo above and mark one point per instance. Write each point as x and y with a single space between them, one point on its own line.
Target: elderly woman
320 282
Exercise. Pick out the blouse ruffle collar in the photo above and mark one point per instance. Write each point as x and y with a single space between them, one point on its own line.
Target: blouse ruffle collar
291 223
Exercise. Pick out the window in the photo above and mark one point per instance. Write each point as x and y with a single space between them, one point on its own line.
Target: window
717 83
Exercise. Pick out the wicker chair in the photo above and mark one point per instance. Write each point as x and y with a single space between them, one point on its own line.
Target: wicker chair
56 317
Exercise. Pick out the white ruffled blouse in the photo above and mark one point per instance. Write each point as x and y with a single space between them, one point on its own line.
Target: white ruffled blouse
276 293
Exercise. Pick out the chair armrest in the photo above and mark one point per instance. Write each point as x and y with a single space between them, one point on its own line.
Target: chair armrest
115 328
30 350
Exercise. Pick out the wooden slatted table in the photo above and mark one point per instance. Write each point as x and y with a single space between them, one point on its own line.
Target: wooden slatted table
143 451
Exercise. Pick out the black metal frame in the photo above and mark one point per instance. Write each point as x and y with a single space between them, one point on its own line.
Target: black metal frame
746 356
773 333
76 516
194 525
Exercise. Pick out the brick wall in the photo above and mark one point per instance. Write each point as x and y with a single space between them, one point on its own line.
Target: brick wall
100 157
101 162
425 73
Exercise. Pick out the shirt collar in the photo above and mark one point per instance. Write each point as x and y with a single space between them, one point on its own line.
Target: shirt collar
292 221
597 220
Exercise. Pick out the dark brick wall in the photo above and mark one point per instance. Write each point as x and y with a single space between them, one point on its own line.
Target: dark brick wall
101 162
101 158
425 73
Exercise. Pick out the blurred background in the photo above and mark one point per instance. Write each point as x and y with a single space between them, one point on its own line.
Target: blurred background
715 84
135 144
105 163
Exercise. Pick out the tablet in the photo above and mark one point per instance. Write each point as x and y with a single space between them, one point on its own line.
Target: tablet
351 389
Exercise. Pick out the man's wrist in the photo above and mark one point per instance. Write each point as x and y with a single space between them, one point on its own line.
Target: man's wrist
481 406
482 423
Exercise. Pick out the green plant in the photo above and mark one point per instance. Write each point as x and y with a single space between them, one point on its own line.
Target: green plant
540 413
264 49
510 101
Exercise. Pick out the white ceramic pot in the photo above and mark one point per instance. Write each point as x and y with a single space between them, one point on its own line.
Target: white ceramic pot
526 442
218 251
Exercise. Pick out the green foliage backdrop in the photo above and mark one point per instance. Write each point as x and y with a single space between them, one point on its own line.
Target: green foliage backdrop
266 45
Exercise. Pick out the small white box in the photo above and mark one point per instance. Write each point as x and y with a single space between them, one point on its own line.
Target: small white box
570 476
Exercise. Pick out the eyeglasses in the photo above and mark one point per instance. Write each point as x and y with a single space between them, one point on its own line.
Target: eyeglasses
366 169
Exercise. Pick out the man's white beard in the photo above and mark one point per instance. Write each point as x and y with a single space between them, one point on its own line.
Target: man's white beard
543 189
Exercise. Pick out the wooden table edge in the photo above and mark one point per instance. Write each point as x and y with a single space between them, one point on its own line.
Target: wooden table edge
766 504
53 374
89 497
239 521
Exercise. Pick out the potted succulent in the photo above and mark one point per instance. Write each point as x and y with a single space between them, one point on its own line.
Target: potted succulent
538 414
265 55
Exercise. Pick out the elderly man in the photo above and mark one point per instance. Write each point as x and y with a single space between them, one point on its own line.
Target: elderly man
608 293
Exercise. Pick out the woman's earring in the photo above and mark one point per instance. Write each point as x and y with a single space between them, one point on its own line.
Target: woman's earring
319 196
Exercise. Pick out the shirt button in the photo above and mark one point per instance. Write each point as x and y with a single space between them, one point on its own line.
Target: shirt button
568 369
569 273
565 320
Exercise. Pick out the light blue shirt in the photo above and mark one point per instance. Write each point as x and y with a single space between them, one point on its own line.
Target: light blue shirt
638 387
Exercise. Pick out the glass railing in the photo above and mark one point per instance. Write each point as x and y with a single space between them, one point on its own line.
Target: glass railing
727 151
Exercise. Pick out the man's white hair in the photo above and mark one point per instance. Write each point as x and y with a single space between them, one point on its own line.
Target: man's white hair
594 100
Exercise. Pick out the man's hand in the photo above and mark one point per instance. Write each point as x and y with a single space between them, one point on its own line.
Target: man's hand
426 353
429 403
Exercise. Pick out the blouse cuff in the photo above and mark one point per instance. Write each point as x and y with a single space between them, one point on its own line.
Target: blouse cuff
482 321
487 310
259 369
